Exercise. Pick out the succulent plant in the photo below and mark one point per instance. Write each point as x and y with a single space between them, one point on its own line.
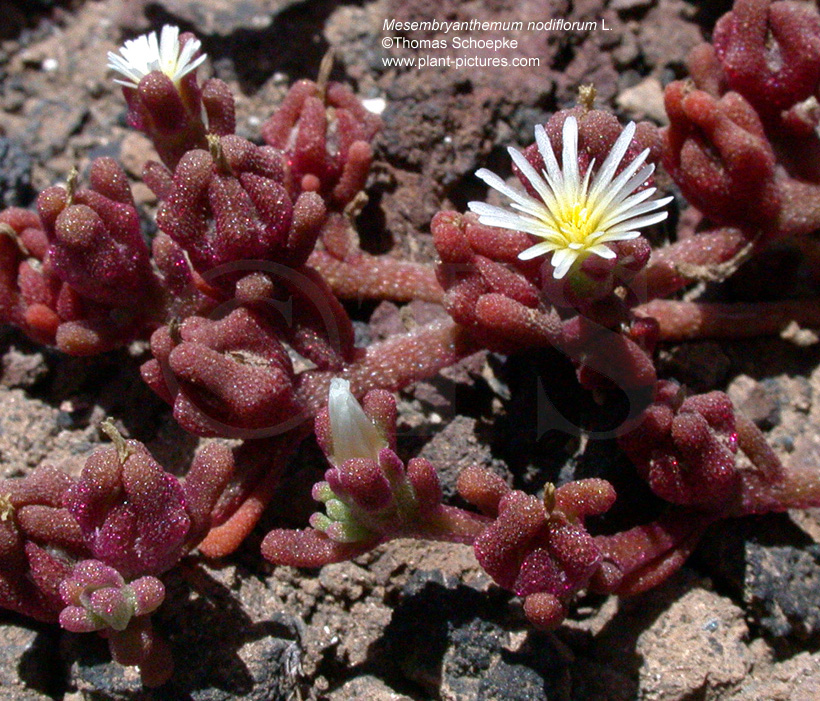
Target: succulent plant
241 295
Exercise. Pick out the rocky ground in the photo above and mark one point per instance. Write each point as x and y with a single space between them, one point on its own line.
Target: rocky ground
410 620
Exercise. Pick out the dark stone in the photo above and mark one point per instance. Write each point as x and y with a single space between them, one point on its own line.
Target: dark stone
701 366
200 674
429 608
762 405
456 447
512 682
53 122
783 586
15 175
466 652
93 670
774 567
19 15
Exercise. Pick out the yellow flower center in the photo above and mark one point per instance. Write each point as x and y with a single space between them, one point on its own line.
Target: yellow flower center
576 224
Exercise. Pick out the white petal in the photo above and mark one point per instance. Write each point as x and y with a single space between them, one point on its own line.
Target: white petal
540 212
555 177
636 181
168 45
187 52
498 184
532 176
193 65
562 261
632 201
620 235
585 183
517 223
612 161
352 432
624 213
484 208
568 206
622 186
569 158
147 53
640 222
153 57
539 249
602 251
120 65
619 183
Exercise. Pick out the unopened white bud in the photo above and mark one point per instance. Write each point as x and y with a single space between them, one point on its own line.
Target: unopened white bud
352 432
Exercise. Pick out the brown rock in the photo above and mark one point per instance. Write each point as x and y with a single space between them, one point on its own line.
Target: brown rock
22 369
696 647
366 687
644 101
135 151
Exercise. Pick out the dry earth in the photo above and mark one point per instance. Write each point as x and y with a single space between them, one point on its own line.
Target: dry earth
411 620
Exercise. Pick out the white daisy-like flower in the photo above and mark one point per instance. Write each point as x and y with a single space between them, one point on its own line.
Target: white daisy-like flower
575 216
138 57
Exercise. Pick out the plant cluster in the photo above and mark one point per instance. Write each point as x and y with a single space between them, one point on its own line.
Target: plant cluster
257 249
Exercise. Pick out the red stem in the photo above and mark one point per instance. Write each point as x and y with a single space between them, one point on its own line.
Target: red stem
683 321
403 360
642 557
364 276
252 490
753 443
394 363
663 275
799 489
454 525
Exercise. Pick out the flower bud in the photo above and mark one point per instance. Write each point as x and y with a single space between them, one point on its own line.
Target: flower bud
353 434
